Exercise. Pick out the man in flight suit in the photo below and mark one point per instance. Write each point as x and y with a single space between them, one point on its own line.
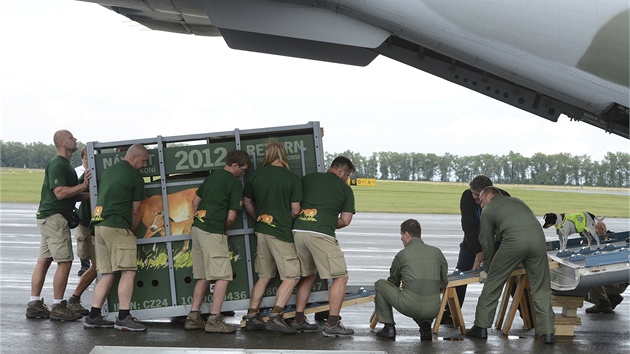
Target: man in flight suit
422 270
522 241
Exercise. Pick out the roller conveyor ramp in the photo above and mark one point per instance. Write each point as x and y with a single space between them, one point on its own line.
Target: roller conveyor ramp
580 269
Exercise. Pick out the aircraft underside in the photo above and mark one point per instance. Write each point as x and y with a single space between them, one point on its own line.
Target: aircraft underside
547 74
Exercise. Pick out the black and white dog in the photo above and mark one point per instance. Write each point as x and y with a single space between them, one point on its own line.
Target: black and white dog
568 224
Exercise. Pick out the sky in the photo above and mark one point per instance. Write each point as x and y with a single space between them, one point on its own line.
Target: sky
78 66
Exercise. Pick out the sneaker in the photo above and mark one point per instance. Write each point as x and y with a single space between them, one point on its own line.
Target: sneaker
98 322
37 309
253 322
194 321
215 324
337 331
275 323
129 324
61 312
76 307
304 326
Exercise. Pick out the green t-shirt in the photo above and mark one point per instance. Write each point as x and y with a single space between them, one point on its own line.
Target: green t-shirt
325 196
85 213
119 187
273 189
58 173
220 192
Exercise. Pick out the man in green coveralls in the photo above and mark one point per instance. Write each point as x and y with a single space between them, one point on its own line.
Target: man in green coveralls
521 240
422 271
327 205
272 197
60 190
218 199
115 219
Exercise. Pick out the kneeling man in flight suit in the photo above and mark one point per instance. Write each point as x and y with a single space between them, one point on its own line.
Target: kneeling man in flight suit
417 276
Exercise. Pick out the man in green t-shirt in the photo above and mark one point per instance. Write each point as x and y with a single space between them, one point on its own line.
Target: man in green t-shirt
272 198
60 190
327 205
218 199
115 219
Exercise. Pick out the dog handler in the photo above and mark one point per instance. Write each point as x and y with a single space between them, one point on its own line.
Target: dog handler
522 241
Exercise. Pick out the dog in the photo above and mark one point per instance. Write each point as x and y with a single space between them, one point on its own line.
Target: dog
568 224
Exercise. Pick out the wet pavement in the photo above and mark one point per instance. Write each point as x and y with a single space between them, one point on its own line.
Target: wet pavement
370 243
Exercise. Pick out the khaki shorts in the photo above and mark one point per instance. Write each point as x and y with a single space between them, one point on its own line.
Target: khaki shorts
273 254
83 242
210 256
320 253
56 240
116 249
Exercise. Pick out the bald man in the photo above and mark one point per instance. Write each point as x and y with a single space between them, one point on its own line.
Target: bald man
60 191
115 219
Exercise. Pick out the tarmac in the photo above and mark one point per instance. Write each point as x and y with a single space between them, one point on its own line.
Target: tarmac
369 243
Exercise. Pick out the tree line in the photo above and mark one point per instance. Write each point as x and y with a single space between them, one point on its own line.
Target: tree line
558 169
32 155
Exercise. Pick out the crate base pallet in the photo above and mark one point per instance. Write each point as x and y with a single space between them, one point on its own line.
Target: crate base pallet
360 297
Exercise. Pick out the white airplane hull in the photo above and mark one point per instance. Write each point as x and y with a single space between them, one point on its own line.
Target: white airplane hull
548 58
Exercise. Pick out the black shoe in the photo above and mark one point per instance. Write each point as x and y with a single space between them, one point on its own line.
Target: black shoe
321 316
388 331
446 318
601 307
425 330
548 338
477 332
82 271
615 300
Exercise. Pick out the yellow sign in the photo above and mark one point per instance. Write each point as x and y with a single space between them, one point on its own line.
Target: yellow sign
362 182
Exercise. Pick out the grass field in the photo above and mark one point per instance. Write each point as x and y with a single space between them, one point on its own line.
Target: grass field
443 198
24 186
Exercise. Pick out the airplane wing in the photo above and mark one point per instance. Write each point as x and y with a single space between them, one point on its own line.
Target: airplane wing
548 58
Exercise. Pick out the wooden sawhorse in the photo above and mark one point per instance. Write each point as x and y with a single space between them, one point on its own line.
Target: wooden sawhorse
522 297
517 277
450 297
564 323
